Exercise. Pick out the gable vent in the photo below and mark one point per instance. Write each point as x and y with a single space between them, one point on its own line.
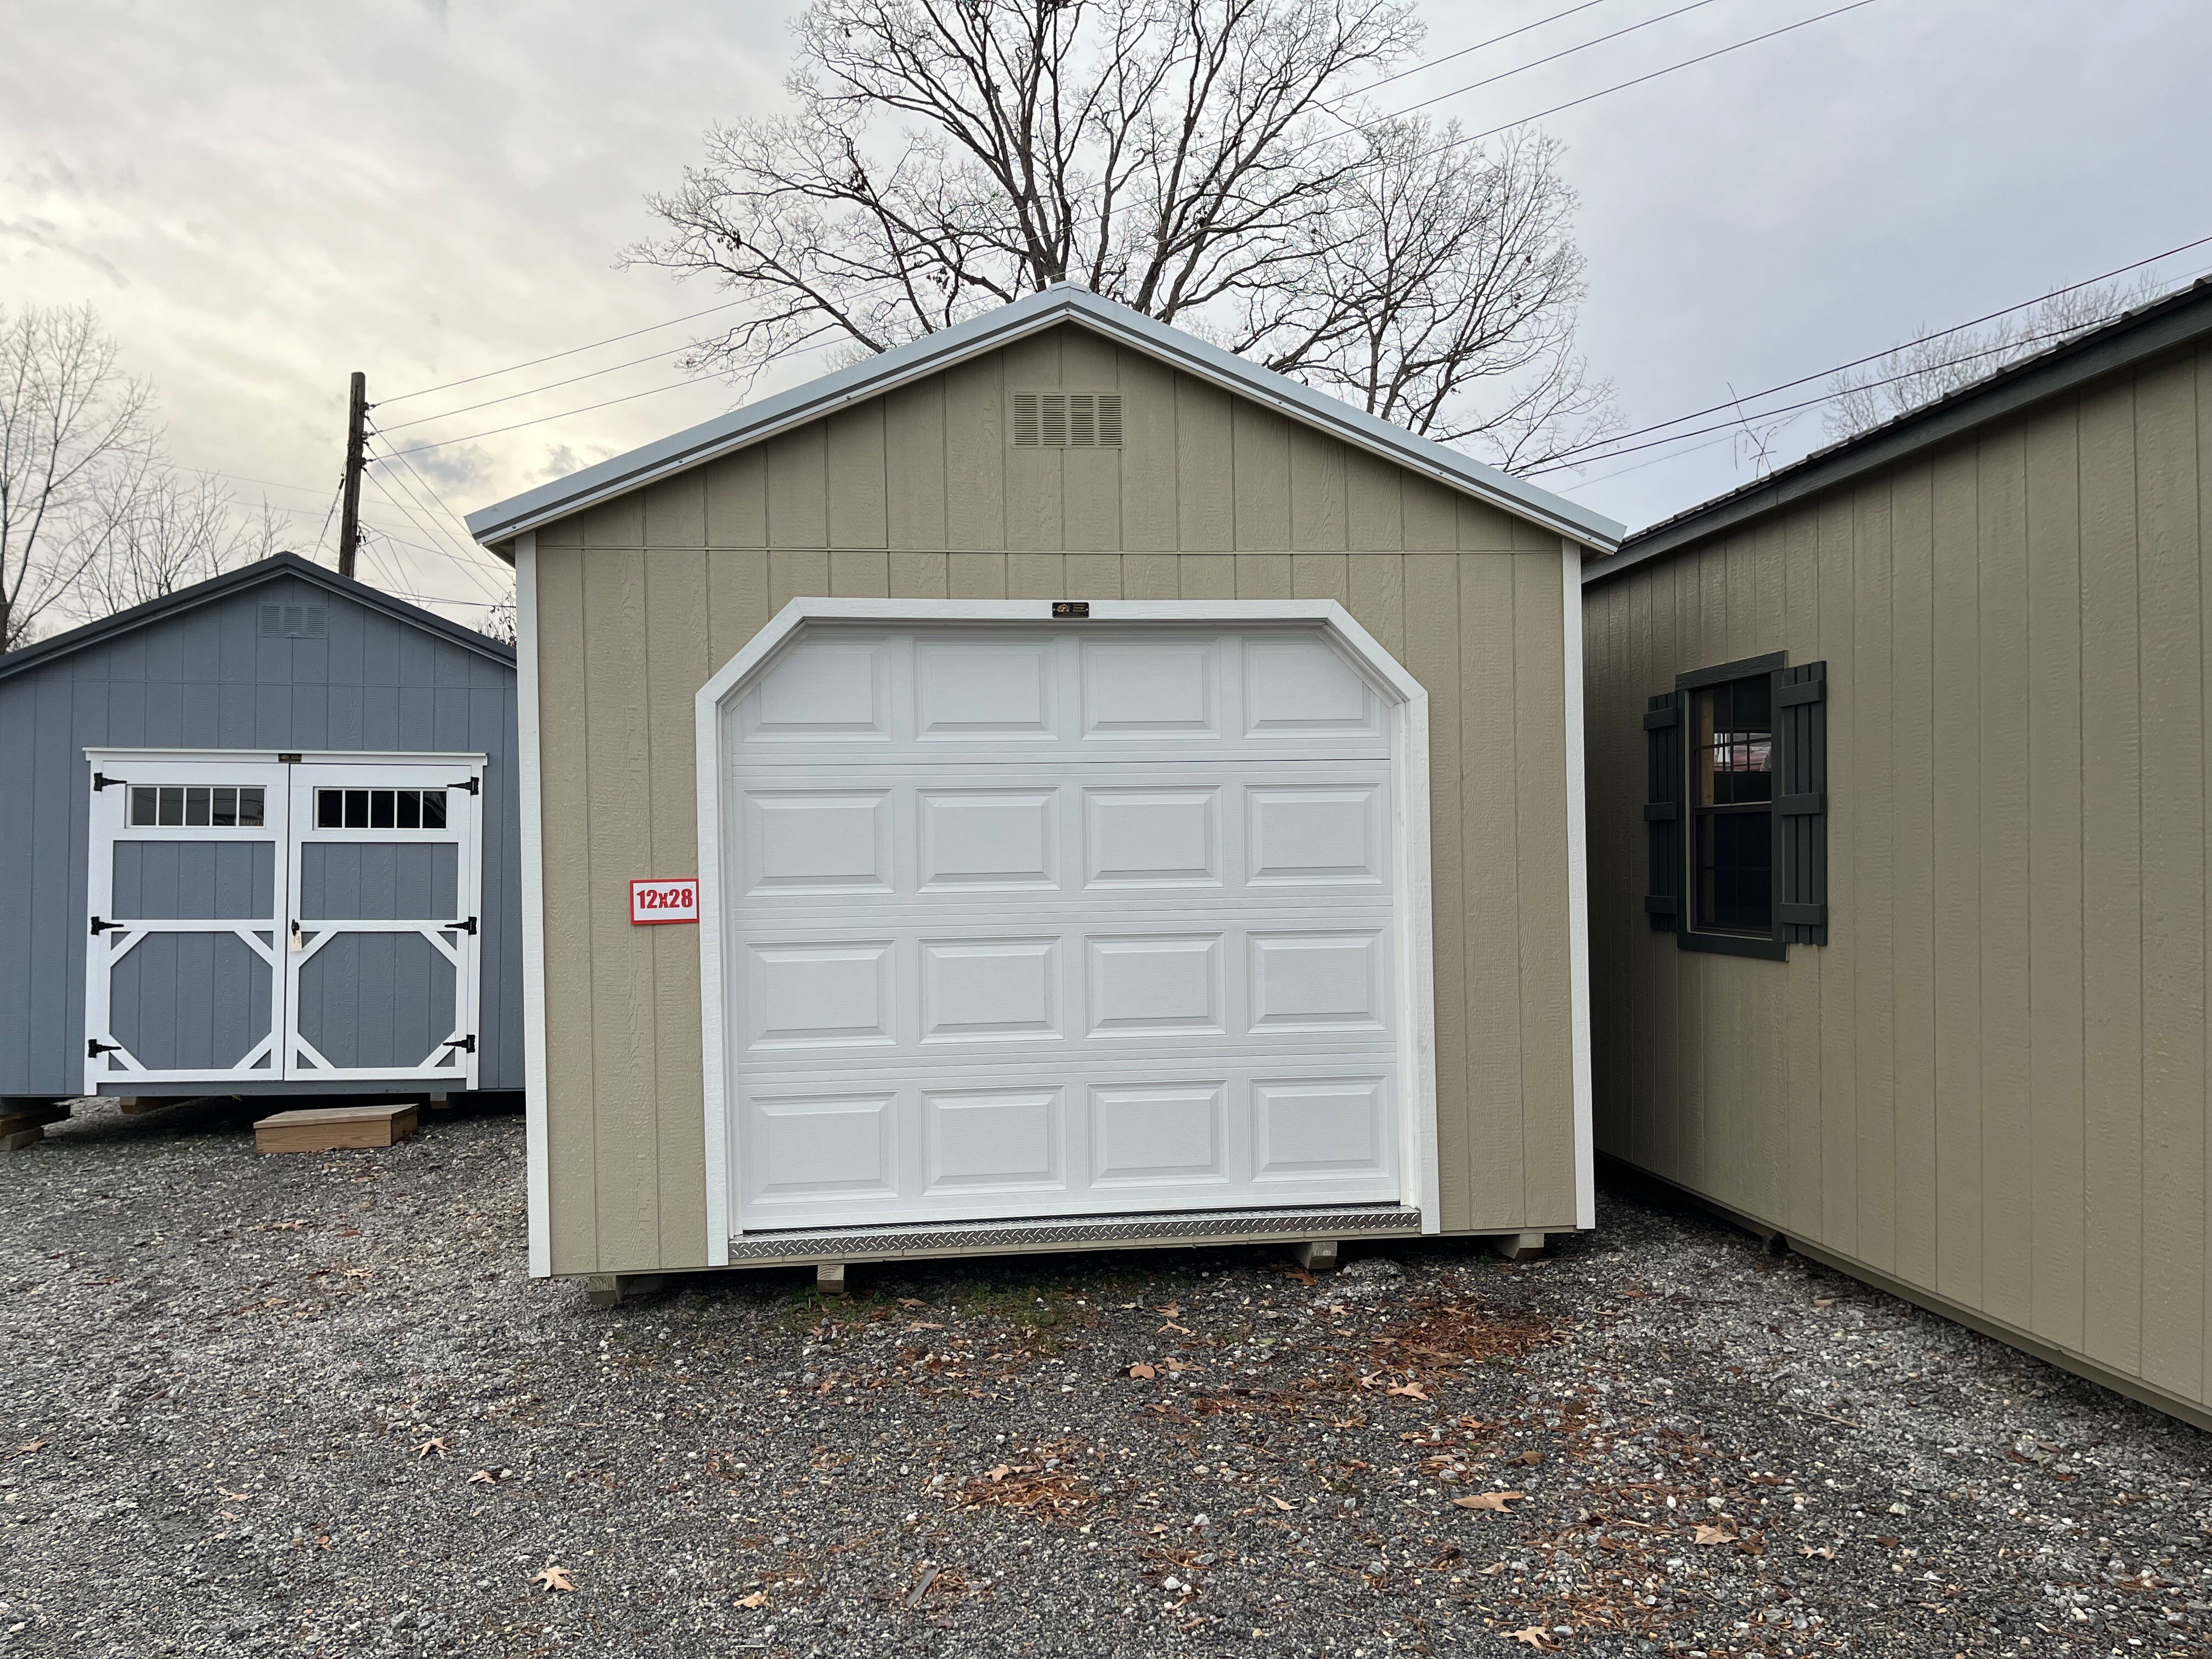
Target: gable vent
1067 420
294 621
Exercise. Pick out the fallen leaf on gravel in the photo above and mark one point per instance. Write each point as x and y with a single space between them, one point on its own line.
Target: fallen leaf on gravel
1280 1505
1714 1535
757 1599
1000 1473
1140 1369
234 1497
555 1578
1490 1500
1300 1275
1534 1636
1900 1509
1827 1552
1532 1458
356 1273
912 1302
431 1449
1411 1390
924 1325
484 1478
28 1447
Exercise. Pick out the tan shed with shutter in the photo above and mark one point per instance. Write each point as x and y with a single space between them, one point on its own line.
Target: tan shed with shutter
1957 1045
1132 798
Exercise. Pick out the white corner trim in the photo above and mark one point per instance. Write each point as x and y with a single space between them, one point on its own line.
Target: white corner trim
538 1157
1410 809
1578 954
706 774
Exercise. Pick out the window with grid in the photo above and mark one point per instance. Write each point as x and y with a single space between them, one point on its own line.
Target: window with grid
197 806
1732 807
379 809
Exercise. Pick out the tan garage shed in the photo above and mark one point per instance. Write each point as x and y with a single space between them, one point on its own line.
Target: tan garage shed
1897 814
1106 792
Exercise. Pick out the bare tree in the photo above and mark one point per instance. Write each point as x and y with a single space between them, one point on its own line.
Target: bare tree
76 447
178 528
1205 161
1934 366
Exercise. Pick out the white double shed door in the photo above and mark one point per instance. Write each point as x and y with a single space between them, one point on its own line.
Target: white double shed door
1059 920
269 918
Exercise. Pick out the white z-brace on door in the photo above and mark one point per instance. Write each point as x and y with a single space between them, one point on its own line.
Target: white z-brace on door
264 918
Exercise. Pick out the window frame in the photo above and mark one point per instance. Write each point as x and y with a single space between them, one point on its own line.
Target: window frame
1771 946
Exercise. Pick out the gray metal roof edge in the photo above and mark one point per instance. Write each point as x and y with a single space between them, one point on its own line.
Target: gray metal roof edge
1063 303
234 581
2131 339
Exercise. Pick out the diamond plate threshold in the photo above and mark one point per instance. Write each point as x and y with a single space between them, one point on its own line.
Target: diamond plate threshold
1072 1232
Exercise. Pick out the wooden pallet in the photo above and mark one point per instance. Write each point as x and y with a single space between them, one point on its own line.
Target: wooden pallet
337 1128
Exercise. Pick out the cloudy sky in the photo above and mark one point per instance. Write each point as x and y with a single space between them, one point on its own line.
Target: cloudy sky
259 197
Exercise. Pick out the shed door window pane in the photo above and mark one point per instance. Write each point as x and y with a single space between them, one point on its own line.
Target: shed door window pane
197 807
1731 804
379 809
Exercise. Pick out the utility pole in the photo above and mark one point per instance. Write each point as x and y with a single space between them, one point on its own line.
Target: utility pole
357 439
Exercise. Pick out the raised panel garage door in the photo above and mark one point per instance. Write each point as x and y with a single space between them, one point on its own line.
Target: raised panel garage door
1036 922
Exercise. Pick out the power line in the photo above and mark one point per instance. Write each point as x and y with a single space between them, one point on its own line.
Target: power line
445 443
1536 62
550 386
552 356
1438 63
1858 363
1556 466
442 552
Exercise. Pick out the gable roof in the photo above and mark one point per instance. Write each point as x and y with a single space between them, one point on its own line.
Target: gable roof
1061 303
2176 319
237 581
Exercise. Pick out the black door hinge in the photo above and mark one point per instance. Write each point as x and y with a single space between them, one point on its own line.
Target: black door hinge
100 926
467 1045
467 925
101 781
474 785
94 1048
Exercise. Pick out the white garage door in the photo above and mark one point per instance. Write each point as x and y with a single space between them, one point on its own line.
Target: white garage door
1032 920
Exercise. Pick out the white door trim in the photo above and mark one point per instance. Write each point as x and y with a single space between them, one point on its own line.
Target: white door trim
1409 749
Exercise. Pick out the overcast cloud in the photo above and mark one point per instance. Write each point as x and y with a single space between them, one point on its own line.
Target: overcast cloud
258 198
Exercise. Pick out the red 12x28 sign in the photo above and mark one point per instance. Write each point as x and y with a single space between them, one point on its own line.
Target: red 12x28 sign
651 901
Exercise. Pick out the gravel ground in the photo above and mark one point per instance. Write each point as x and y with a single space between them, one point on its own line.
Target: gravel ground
311 1405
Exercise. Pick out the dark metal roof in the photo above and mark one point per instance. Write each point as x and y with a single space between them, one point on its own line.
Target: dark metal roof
234 581
2175 320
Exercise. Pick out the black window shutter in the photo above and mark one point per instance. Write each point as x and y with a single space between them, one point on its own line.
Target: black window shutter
1801 706
1662 812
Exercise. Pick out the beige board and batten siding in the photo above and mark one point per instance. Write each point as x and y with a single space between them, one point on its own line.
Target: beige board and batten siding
916 493
1989 1087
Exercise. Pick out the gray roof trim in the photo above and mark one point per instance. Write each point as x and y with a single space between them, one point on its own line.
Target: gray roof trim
235 582
1060 303
2176 320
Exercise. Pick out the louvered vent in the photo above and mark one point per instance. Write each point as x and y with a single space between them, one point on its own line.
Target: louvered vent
294 621
1067 420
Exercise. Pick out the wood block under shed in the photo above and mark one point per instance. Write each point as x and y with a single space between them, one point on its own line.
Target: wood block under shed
336 1128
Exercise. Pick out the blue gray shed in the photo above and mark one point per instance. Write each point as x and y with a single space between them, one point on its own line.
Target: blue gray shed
260 837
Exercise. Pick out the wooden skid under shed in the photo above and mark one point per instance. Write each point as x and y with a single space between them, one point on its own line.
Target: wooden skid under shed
335 1128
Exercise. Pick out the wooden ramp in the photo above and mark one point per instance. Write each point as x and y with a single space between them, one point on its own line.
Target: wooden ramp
335 1128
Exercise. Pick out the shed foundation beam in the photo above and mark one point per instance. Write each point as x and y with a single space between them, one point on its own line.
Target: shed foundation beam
608 1290
829 1279
1518 1247
14 1141
1316 1256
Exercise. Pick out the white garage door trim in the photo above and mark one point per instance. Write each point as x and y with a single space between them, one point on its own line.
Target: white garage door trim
1413 997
